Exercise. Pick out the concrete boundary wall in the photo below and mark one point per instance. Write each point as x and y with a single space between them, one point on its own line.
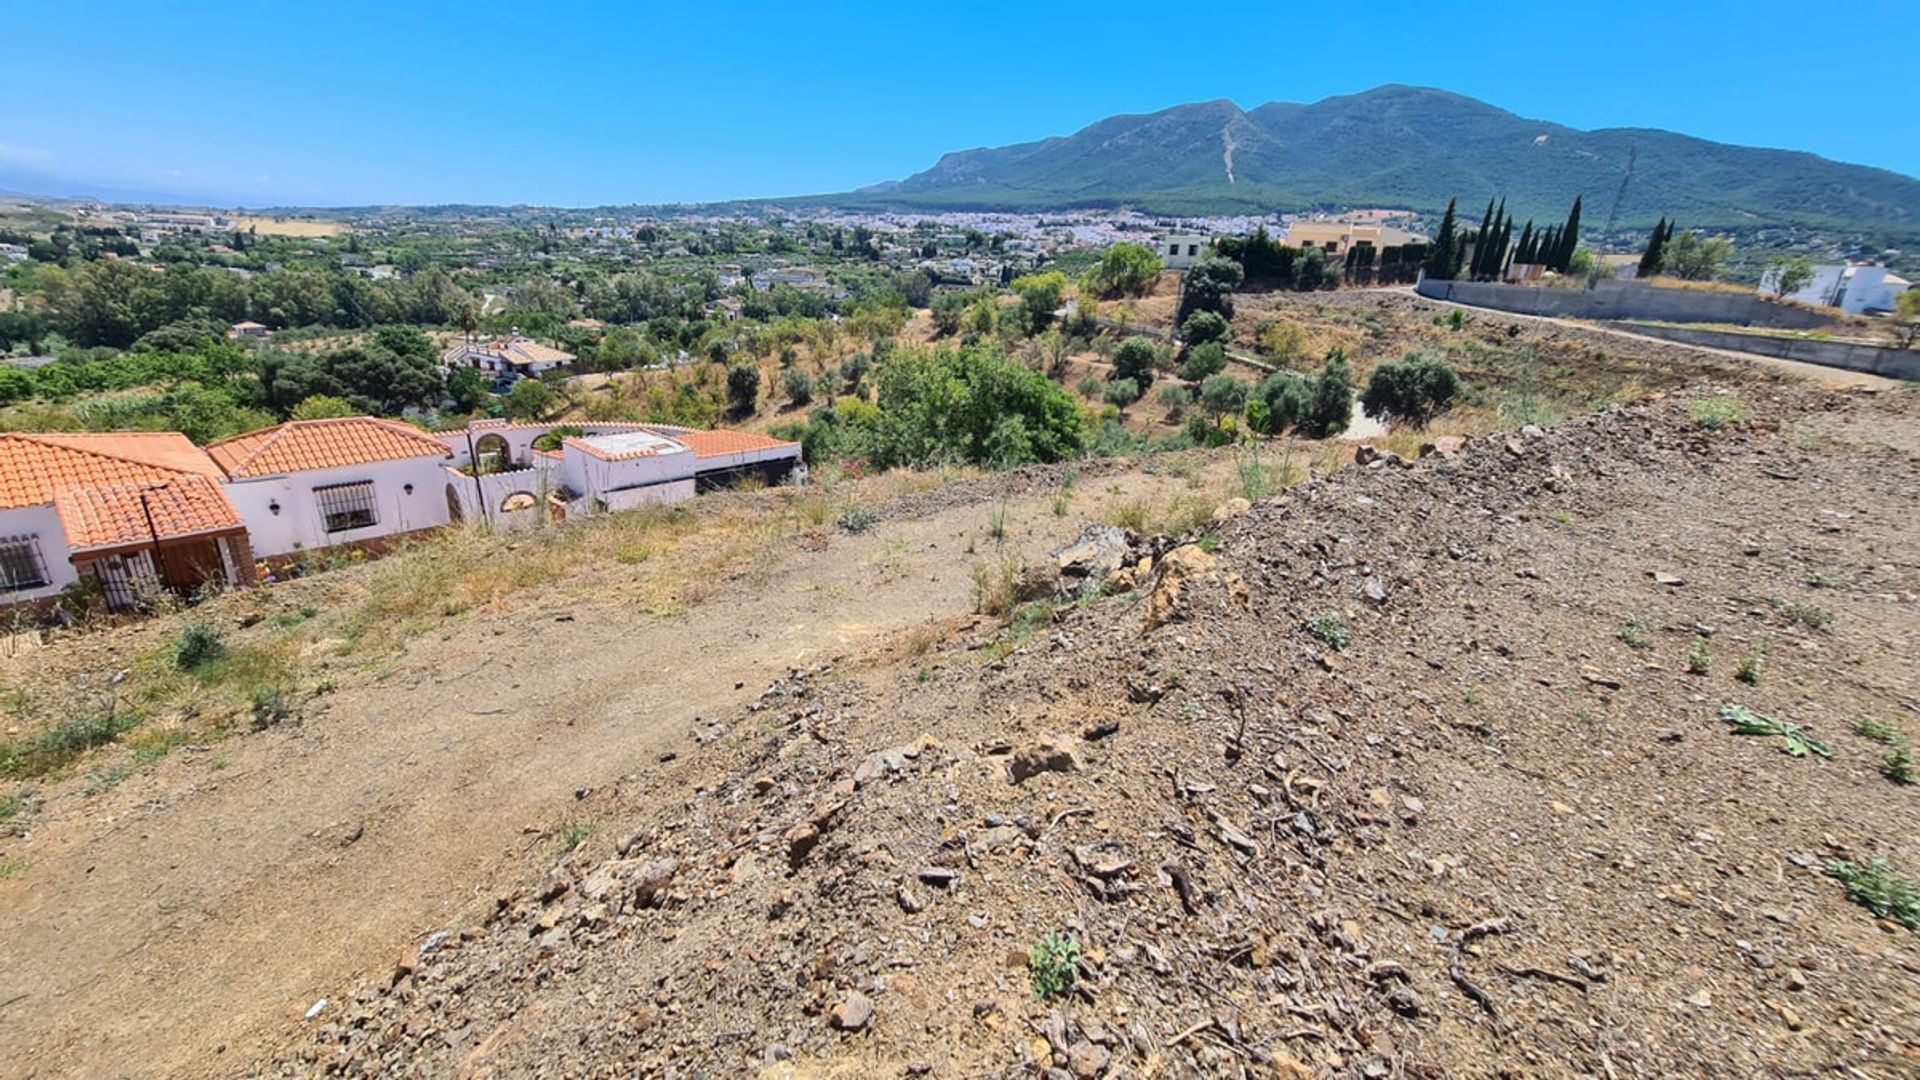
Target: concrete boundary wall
1873 359
1623 300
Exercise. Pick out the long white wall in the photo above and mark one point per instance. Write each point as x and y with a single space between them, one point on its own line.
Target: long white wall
299 525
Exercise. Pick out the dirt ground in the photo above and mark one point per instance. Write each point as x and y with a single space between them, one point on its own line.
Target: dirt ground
1497 828
169 920
1276 855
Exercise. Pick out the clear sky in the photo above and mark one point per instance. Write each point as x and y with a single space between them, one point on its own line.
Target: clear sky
567 103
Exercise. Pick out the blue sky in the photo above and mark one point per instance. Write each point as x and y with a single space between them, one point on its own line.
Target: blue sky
578 104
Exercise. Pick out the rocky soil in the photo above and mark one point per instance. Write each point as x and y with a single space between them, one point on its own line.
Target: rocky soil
1414 771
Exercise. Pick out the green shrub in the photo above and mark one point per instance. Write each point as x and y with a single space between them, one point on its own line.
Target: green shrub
1719 411
1122 392
798 386
1203 361
1204 327
1222 395
1413 390
1135 359
197 645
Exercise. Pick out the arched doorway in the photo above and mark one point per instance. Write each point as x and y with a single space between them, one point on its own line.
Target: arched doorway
491 454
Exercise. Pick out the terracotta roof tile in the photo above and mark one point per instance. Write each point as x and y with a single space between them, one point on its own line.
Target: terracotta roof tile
708 444
113 515
300 445
35 465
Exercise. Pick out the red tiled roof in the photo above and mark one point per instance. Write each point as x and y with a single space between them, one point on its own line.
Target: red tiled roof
300 445
116 515
705 444
35 465
96 483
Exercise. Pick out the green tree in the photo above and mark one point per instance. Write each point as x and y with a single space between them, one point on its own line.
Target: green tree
1122 392
530 399
743 387
1414 389
1203 327
468 389
1040 296
1123 270
798 386
1209 286
1222 395
322 407
1331 408
1444 258
1134 359
1287 397
1203 361
1569 239
1906 319
1789 276
1654 260
1692 257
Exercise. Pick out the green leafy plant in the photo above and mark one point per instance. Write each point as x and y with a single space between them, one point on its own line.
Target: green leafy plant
1795 740
1878 887
1699 660
1748 669
577 833
1053 964
858 519
1633 632
1330 629
1897 763
1719 411
197 645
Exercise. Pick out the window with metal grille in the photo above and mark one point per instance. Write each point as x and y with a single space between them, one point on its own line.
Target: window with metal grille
346 506
21 567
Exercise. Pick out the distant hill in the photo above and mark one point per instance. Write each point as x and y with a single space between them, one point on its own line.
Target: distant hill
1404 146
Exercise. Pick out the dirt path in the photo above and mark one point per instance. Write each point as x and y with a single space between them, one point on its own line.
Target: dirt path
164 925
1818 373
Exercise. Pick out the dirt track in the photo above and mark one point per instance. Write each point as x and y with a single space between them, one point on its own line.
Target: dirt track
1498 831
190 908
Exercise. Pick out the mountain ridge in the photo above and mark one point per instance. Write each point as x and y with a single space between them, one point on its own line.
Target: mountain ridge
1404 146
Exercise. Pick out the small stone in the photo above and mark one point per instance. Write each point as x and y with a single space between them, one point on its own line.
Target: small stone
1041 757
1700 999
853 1013
1088 1060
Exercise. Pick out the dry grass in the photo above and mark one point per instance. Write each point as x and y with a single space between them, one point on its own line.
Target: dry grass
270 226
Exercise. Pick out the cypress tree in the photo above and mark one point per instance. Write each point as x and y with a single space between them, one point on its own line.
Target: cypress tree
1501 249
1440 262
1655 257
1524 253
1480 242
1569 238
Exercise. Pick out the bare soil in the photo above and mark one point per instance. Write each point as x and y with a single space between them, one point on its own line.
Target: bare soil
1502 831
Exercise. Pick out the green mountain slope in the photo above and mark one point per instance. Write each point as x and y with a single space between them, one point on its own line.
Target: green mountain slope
1406 147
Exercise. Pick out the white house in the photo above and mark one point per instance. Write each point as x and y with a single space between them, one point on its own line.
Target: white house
1182 250
1856 288
596 468
137 512
512 355
309 484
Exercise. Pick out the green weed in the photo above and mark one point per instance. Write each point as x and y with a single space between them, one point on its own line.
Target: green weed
1794 739
1331 629
1053 964
1878 887
1719 411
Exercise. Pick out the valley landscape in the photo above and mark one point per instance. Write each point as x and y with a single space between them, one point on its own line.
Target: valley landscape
1193 596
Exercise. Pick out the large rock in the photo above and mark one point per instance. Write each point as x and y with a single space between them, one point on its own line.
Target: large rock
1177 572
1046 755
1094 556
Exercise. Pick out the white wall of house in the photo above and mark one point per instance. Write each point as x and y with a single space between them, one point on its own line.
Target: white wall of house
43 524
300 525
484 498
1853 289
671 491
588 474
1181 251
